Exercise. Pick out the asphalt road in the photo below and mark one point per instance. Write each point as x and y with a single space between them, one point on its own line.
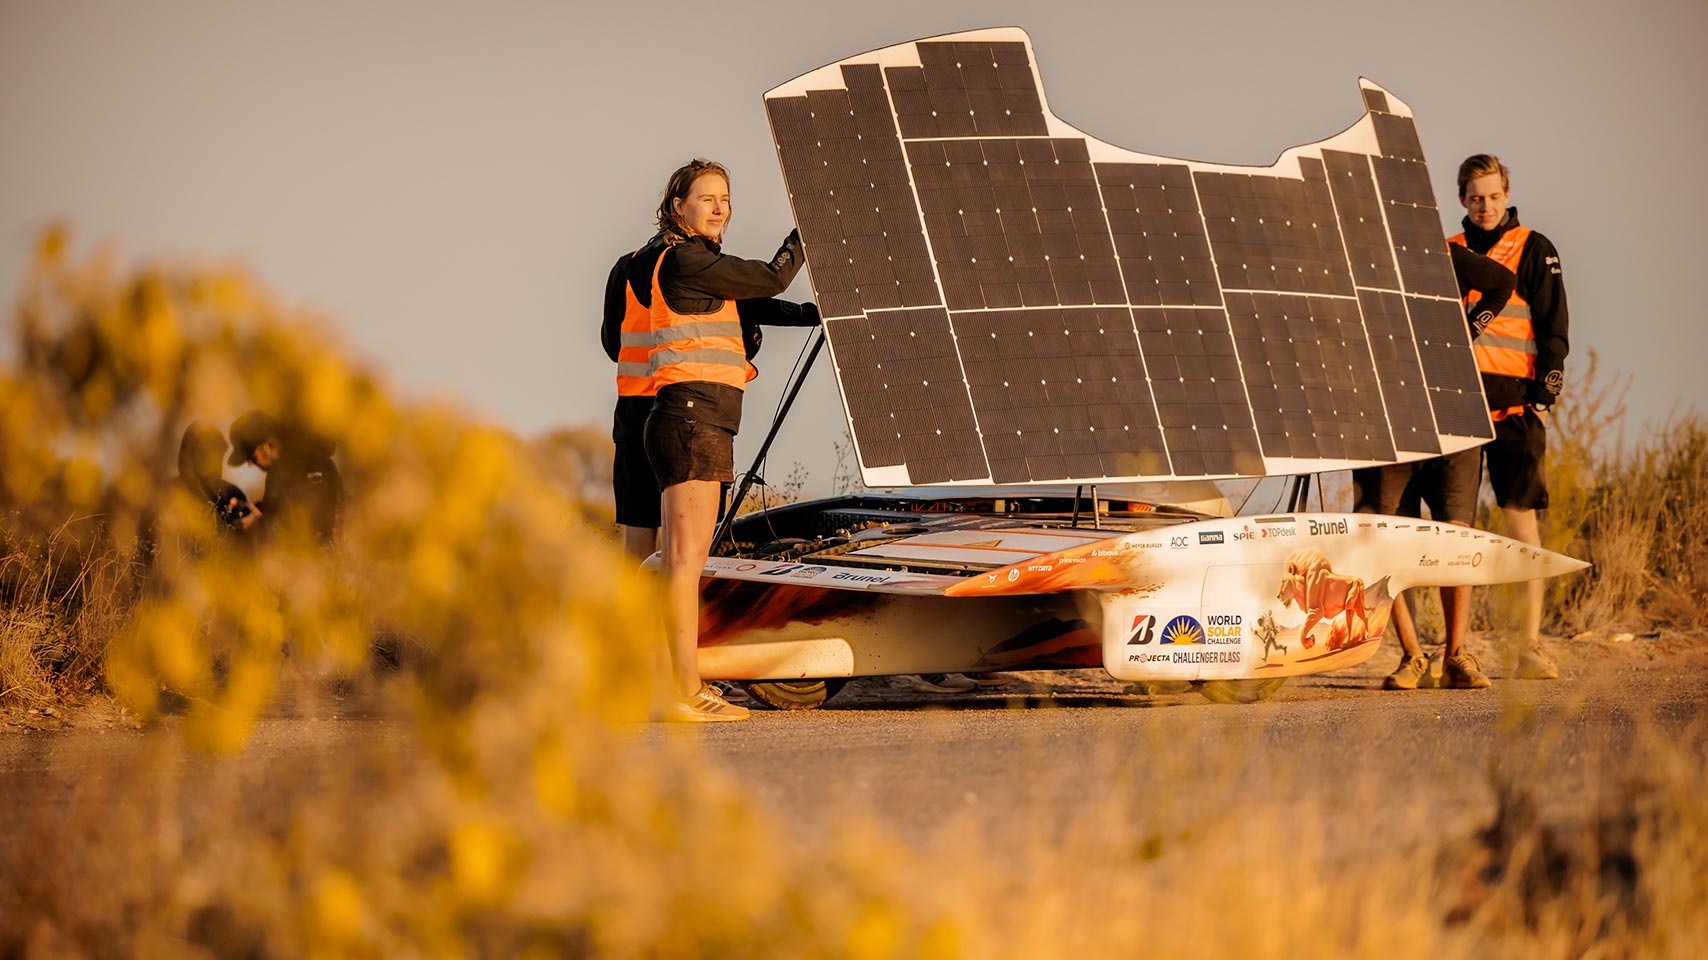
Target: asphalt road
1067 744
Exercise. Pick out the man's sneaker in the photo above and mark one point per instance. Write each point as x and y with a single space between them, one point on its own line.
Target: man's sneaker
705 706
940 682
1535 664
1431 679
1407 674
1463 672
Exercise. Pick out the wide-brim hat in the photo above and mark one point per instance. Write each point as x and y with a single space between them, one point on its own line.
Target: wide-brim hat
248 432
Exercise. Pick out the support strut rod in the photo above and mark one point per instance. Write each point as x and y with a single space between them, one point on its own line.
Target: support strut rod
764 448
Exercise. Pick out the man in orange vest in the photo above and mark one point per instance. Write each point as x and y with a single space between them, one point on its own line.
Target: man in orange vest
1522 356
1448 486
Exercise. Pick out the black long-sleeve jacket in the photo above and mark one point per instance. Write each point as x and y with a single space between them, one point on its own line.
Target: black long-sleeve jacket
1543 287
1490 278
697 277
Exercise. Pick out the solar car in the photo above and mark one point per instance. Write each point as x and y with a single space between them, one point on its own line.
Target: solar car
1048 348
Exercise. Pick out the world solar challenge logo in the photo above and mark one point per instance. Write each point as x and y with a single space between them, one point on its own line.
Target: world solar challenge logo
1182 630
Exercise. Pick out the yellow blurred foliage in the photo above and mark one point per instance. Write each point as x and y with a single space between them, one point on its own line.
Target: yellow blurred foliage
502 801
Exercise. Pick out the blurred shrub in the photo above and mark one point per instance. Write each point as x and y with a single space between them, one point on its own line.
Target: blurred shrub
507 805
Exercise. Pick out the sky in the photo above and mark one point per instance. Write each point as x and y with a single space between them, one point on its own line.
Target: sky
450 183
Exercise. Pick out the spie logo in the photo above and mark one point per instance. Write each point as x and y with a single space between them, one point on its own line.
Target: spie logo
1144 630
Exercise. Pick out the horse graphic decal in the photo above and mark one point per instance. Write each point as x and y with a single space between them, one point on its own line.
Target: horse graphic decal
1326 596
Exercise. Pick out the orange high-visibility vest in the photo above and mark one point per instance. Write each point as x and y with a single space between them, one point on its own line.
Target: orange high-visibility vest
696 347
1507 346
634 351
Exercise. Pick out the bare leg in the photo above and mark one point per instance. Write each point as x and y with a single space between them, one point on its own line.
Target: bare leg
1456 611
1456 607
1404 627
640 542
690 514
1524 526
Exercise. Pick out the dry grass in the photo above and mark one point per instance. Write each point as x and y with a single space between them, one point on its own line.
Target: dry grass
512 810
62 599
1637 510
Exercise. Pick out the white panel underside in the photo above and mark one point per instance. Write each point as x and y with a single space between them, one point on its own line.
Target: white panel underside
778 659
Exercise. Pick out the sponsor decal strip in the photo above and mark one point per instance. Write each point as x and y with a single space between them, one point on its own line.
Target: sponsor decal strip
903 550
1098 563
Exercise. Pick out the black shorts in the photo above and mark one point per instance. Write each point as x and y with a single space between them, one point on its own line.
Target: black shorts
1447 485
1516 457
683 450
634 485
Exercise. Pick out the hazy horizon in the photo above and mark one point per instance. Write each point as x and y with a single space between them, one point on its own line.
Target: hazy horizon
449 185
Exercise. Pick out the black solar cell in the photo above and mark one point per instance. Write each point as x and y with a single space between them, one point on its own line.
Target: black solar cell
1405 394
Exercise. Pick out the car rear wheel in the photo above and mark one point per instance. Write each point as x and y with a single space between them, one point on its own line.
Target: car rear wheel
1249 690
793 694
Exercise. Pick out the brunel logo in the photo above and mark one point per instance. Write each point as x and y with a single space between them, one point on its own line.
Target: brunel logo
861 577
1144 629
1327 527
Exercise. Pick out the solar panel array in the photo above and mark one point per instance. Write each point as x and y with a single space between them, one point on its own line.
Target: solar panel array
1009 300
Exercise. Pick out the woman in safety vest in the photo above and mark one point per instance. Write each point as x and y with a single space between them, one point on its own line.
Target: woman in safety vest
701 302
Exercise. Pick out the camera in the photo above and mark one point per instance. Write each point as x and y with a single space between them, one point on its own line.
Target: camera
232 512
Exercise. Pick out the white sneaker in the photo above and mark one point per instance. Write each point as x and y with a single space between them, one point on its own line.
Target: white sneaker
705 706
941 682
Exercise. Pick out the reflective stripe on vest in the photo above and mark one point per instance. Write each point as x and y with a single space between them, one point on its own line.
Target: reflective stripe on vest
700 347
634 348
1507 346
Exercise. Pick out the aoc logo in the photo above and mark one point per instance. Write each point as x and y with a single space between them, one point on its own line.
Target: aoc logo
1144 629
1210 536
1182 630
